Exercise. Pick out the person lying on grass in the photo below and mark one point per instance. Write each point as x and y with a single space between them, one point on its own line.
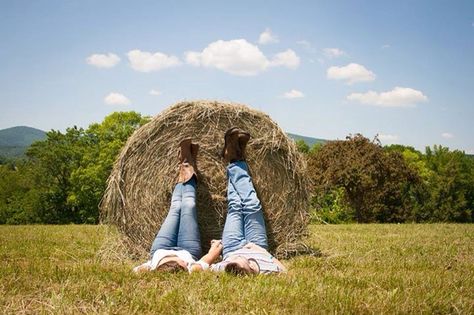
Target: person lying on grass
177 245
244 238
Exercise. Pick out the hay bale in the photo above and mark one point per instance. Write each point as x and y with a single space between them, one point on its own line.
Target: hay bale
139 188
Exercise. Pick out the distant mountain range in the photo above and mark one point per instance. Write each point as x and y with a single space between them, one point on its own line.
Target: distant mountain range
309 141
14 141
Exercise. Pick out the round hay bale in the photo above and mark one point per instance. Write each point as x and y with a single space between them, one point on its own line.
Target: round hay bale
139 188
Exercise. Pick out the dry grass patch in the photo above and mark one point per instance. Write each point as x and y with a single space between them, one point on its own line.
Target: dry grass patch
363 269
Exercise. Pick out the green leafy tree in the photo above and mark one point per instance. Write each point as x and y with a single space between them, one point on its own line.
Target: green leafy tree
103 142
375 183
414 158
54 160
302 146
315 148
68 171
451 185
331 207
19 200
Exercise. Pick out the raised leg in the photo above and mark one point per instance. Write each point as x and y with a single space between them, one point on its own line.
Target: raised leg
233 237
253 220
188 235
167 236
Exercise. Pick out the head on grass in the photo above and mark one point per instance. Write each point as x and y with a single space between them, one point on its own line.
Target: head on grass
242 266
172 264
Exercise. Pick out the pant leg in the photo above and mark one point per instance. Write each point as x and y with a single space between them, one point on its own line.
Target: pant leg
233 237
188 235
254 223
167 236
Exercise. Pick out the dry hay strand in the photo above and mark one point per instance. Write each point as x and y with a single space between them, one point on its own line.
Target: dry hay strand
139 188
117 248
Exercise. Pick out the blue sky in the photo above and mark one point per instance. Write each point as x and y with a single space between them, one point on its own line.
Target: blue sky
326 69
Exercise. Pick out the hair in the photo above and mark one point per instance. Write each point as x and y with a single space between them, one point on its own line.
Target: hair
171 267
235 269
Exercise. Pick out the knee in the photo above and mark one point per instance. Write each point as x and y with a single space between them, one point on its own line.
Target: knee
188 204
233 206
252 208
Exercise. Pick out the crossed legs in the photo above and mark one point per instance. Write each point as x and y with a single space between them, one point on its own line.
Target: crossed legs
245 222
180 229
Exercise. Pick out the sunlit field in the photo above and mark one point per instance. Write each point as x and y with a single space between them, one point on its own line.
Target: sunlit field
362 269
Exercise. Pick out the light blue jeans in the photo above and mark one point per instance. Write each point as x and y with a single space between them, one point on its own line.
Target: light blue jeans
180 229
244 222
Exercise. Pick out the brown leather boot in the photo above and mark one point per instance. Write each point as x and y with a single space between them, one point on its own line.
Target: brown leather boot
244 138
235 141
187 160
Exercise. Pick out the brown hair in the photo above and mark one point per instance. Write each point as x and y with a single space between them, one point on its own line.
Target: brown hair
171 267
235 269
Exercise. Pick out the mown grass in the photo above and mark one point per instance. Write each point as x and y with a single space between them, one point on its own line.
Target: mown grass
364 269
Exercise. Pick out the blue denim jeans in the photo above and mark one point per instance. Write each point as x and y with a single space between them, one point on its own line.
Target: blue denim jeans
180 229
244 222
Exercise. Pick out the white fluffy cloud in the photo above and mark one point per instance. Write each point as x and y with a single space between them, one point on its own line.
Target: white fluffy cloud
351 73
103 60
144 61
387 138
447 135
115 98
293 94
267 37
194 58
155 92
287 59
398 97
333 52
239 57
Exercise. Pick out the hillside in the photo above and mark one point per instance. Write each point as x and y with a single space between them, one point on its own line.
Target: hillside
14 141
309 141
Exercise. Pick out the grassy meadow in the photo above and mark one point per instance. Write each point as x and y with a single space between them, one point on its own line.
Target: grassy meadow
379 268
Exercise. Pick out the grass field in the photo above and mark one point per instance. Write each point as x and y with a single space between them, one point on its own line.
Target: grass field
364 269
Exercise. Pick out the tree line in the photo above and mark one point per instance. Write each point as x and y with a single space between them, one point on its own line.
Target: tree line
62 179
358 180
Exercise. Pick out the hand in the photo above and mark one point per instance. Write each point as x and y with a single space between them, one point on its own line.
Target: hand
195 268
216 246
214 252
216 243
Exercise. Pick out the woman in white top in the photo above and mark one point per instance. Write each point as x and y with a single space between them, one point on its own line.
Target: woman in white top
177 245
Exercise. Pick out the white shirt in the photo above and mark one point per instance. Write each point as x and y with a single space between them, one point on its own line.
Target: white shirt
162 253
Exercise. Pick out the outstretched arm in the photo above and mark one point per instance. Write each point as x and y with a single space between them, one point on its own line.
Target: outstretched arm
210 257
214 252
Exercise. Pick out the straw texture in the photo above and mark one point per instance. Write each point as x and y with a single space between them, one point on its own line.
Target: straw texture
139 188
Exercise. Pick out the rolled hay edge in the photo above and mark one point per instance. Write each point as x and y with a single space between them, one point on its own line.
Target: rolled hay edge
139 188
